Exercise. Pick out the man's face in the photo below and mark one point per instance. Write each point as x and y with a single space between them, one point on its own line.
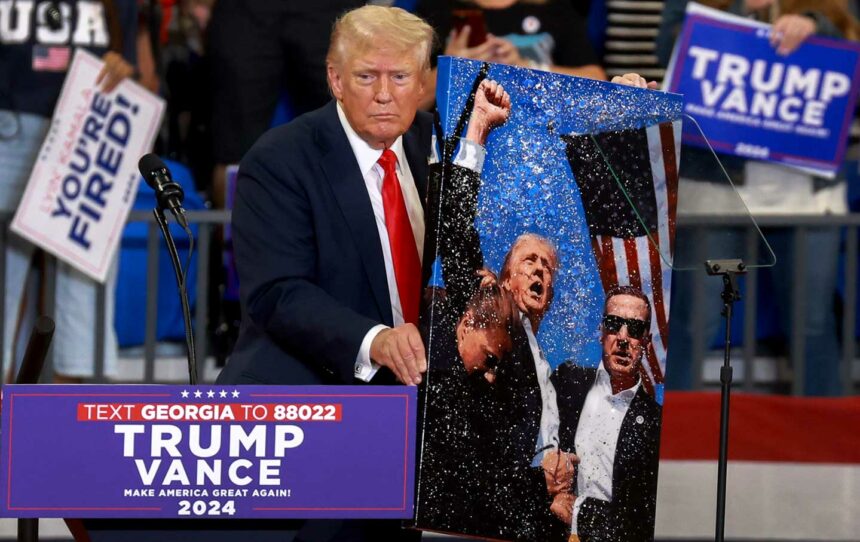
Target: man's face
532 268
482 348
379 90
622 351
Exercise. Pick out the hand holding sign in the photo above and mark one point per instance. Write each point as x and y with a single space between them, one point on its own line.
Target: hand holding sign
789 31
115 69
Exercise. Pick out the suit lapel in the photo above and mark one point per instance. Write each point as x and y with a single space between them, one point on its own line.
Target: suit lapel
341 171
416 144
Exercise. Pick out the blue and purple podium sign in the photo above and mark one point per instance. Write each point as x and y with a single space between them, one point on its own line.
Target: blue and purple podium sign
207 451
794 110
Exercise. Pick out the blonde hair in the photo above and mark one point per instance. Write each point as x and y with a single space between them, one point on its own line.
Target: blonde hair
371 26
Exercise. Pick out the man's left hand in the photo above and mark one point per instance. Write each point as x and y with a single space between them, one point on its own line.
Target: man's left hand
562 507
634 80
114 71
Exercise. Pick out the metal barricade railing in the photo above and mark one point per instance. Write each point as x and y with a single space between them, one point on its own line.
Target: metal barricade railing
208 221
205 221
799 225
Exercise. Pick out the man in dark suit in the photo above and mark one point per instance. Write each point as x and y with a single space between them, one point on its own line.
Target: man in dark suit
613 425
329 230
320 294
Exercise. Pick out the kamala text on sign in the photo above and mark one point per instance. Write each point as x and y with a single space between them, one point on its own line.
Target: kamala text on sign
172 451
751 102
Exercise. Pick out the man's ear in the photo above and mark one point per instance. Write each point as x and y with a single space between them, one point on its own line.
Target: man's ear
335 83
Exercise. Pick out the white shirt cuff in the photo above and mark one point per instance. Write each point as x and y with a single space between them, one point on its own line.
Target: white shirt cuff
365 368
577 504
470 155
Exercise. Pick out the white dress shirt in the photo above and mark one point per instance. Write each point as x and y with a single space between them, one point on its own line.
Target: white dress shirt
372 173
548 434
597 437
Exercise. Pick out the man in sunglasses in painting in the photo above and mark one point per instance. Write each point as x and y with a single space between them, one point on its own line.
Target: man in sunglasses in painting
613 425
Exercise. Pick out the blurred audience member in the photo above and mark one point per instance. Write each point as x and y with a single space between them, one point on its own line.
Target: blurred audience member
28 92
542 34
766 188
258 49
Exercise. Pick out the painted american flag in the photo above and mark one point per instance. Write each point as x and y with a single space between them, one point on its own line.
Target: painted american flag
627 242
53 59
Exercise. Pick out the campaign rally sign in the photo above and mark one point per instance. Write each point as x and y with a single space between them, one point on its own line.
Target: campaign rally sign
207 451
85 177
794 110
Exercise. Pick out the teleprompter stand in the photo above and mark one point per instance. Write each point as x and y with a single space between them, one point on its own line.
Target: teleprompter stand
729 271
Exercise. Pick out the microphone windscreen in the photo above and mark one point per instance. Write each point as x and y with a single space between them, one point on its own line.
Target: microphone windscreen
147 164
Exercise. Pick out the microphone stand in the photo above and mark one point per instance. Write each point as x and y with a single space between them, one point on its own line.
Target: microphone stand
183 293
729 270
29 373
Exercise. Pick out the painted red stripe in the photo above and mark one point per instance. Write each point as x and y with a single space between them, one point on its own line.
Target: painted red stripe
657 291
632 255
667 142
608 272
762 428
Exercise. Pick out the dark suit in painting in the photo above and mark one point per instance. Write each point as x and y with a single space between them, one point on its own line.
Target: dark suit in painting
629 517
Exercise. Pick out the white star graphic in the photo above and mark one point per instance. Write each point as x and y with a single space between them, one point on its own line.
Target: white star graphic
184 394
198 394
210 394
222 394
235 393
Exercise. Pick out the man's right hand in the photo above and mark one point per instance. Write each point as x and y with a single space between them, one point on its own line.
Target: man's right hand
402 351
492 108
559 469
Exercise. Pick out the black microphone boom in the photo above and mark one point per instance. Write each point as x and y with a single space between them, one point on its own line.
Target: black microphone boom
168 193
169 196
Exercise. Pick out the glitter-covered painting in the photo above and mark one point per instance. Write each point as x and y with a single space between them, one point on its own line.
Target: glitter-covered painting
550 216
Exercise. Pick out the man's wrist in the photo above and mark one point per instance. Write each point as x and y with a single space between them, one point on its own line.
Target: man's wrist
365 368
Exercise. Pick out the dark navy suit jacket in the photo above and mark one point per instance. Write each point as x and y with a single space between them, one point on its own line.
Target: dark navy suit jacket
312 276
630 515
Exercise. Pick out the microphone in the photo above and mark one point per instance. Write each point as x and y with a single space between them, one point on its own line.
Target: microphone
168 193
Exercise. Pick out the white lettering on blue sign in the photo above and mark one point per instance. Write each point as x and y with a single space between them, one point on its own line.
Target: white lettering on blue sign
779 91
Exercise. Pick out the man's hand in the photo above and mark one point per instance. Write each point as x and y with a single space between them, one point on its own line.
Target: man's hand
488 278
401 350
789 31
505 52
558 470
114 71
562 507
492 108
634 80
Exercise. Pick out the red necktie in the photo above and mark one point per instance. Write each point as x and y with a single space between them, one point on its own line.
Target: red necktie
404 252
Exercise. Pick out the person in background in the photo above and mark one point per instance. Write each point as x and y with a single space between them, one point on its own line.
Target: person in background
542 34
765 188
37 44
257 50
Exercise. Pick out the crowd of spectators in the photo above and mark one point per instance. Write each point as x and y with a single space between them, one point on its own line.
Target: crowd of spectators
230 69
